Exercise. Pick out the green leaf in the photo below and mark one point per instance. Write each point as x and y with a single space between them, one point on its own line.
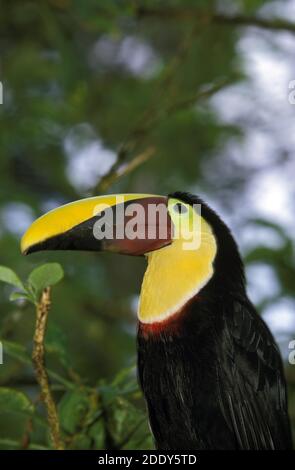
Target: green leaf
19 352
98 434
80 442
123 420
14 401
10 277
72 409
7 444
18 296
45 276
56 343
16 351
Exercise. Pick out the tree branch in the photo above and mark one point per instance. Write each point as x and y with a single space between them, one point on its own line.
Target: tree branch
38 357
122 168
139 132
128 156
274 24
186 102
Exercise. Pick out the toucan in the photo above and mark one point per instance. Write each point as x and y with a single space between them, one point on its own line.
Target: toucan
209 368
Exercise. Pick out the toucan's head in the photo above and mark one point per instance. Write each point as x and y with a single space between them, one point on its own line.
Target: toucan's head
187 245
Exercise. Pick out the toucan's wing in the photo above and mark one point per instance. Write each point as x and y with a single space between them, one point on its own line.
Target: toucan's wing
252 389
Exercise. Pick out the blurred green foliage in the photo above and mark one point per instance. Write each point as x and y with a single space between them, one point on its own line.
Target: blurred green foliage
79 75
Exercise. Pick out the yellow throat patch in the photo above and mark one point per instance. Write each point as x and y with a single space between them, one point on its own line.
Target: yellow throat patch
177 272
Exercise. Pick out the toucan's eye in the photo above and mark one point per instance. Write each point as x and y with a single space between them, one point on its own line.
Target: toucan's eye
179 208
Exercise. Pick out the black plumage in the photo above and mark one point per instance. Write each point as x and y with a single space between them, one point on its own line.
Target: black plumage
213 376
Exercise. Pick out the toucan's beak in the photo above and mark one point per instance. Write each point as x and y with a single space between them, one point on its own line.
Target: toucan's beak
132 224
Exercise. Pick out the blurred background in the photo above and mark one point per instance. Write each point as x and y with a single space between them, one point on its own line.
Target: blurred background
139 96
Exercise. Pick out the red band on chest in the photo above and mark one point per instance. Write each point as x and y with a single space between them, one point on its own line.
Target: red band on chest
171 326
